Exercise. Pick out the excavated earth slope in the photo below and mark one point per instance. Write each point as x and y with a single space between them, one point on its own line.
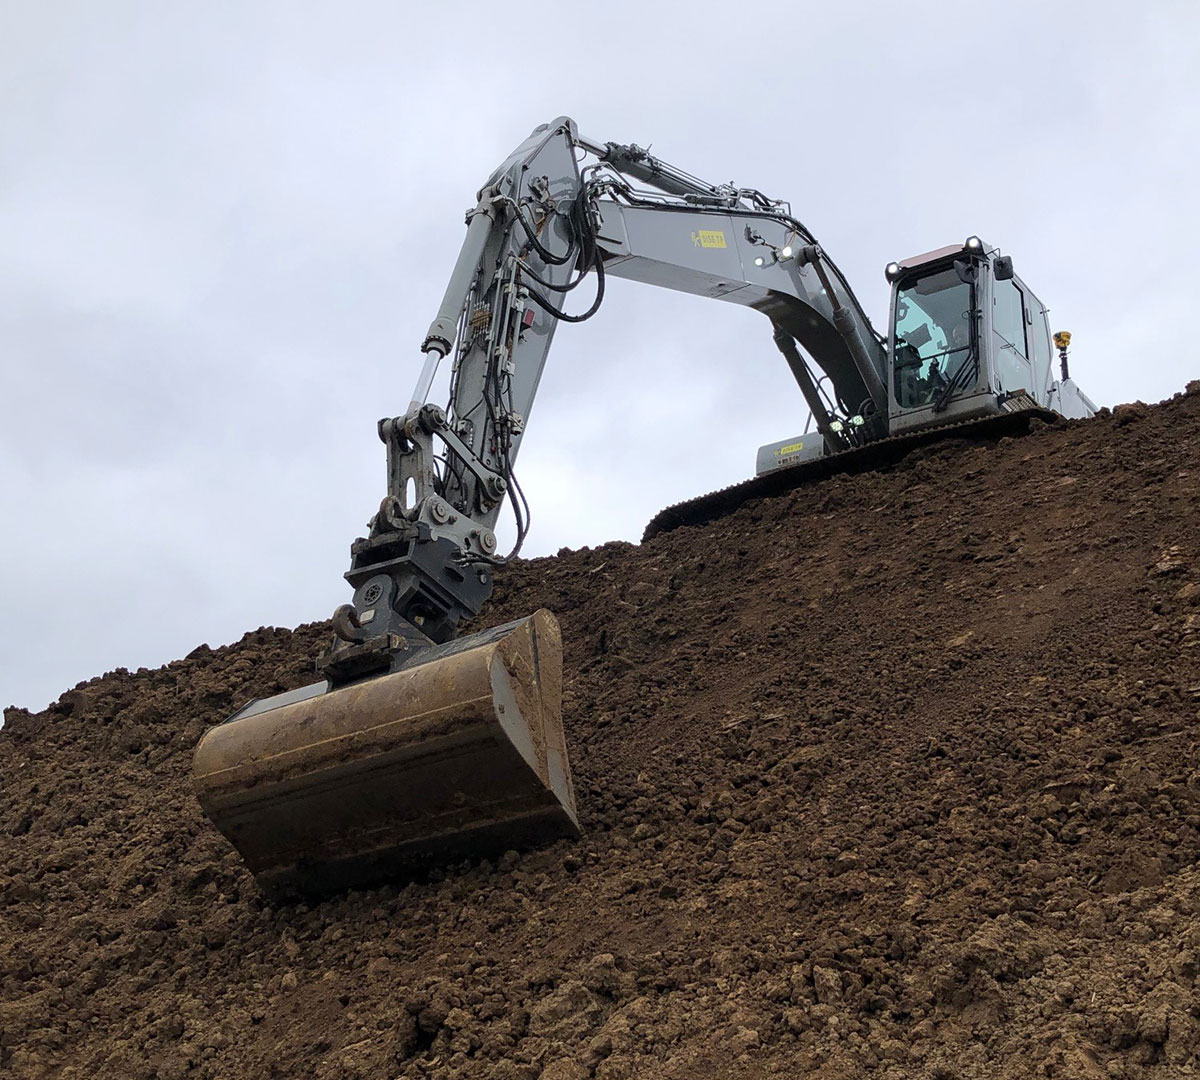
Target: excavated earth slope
895 776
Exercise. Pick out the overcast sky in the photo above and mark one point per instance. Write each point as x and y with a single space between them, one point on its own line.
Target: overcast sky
225 227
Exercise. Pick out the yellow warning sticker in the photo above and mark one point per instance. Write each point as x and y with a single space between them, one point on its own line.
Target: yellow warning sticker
708 238
791 448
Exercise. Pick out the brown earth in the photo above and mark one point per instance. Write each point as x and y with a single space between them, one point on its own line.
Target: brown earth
894 777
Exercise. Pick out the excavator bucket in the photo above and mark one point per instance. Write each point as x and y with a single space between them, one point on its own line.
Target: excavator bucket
459 754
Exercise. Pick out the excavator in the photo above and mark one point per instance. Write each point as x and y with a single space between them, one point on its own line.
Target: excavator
418 747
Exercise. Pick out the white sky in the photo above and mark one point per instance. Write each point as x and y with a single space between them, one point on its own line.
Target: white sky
225 227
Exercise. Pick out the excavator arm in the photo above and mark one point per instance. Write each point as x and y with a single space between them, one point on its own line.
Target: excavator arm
563 212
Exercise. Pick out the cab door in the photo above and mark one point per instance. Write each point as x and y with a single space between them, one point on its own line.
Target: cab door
1041 355
1010 338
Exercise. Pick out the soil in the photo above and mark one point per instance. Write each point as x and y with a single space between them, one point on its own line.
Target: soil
893 776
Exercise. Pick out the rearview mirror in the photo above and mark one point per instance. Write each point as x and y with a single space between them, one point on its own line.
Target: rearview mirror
1003 268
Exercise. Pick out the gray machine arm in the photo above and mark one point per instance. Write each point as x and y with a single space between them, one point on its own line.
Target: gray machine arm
545 223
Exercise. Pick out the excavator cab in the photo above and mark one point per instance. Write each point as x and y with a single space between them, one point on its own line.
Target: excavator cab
968 347
969 340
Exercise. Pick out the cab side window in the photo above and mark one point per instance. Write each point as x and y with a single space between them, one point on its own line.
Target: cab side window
1039 335
1008 315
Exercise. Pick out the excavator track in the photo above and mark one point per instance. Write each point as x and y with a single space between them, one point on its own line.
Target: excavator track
881 454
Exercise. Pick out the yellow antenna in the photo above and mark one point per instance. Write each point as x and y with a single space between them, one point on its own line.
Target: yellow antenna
1062 340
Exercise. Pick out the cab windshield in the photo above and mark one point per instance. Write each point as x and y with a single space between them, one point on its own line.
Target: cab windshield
933 354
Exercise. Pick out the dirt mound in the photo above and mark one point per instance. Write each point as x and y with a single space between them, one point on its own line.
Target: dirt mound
895 776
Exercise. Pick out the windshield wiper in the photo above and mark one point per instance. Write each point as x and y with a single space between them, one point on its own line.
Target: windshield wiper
962 376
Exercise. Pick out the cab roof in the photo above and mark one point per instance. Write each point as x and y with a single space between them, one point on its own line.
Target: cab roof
934 256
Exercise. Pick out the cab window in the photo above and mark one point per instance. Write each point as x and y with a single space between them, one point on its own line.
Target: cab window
1039 334
1008 315
932 337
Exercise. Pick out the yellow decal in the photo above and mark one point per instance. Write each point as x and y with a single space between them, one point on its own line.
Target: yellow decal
790 449
709 238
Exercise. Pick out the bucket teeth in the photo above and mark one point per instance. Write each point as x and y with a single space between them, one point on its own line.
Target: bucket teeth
458 754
